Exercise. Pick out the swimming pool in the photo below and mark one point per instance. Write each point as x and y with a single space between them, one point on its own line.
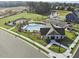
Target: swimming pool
32 27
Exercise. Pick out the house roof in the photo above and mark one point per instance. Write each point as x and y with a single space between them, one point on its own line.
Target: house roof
76 12
57 22
52 31
60 31
56 31
44 31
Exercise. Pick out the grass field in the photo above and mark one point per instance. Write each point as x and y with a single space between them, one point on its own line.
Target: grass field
62 14
35 17
36 38
76 27
74 48
70 37
33 36
55 48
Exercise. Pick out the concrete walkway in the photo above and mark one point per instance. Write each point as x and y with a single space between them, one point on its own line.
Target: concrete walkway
50 44
71 46
53 41
74 43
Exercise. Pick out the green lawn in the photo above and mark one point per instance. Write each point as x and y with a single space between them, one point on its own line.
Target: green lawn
37 39
70 36
35 17
55 48
73 50
63 12
76 27
33 36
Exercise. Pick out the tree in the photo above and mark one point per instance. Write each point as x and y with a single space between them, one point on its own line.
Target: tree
48 40
18 26
43 8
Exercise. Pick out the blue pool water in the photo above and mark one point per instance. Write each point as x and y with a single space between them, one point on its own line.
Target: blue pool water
32 27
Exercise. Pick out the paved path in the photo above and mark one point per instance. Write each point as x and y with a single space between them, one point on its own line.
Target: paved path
11 46
77 54
54 42
74 42
50 44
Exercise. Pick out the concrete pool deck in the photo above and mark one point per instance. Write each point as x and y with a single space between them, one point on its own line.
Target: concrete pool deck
14 47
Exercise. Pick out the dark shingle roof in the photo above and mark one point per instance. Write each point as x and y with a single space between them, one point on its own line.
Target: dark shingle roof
60 30
76 12
57 31
57 22
53 33
44 31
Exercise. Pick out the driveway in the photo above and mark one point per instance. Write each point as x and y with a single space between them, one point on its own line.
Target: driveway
14 47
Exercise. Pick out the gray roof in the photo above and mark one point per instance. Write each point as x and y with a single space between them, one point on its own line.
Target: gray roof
58 22
52 31
44 31
60 31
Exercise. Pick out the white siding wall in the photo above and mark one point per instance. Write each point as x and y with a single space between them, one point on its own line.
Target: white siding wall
59 36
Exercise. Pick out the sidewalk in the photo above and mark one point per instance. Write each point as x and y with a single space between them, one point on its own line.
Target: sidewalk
59 44
74 43
50 44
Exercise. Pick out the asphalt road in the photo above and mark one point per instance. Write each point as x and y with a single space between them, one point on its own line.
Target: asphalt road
77 54
14 47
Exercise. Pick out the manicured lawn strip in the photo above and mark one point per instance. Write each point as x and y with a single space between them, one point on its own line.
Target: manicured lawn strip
67 42
76 27
36 46
34 17
73 49
63 12
70 36
55 48
32 36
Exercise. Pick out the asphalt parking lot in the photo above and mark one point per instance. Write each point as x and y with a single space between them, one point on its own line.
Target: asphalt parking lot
14 47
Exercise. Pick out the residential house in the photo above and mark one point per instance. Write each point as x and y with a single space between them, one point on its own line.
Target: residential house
73 16
55 20
54 14
52 33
